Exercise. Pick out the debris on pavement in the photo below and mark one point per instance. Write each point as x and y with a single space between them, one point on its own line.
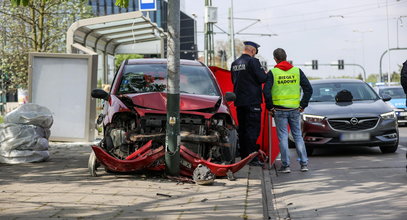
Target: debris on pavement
202 175
165 195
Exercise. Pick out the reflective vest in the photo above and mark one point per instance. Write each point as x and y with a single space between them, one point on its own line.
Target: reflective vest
286 90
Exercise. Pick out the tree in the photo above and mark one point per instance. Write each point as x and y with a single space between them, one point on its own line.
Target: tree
395 77
119 58
224 46
359 77
372 78
39 26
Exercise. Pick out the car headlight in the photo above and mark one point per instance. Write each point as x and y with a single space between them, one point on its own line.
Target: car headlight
312 118
388 115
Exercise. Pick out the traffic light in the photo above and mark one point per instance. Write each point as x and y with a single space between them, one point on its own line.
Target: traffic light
314 64
341 65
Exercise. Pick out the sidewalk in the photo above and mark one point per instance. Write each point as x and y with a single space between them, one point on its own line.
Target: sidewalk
62 188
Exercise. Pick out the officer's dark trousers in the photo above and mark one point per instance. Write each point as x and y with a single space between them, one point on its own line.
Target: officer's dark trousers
249 128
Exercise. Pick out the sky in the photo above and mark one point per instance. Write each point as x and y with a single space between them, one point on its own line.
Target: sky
325 30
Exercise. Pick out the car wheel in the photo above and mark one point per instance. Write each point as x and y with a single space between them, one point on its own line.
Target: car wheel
309 149
388 149
230 152
93 164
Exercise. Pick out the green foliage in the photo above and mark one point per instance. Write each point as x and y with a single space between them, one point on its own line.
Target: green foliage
122 3
395 77
359 77
19 2
372 78
40 26
14 65
119 58
1 119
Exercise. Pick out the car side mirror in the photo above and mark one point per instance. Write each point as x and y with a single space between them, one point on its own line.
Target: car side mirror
230 96
100 94
386 98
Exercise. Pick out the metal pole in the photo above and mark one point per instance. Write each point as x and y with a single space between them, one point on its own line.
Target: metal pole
397 32
206 38
209 51
345 64
232 32
388 39
364 71
399 19
172 142
381 59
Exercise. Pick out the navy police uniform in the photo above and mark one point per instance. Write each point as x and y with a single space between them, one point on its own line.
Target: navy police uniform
247 78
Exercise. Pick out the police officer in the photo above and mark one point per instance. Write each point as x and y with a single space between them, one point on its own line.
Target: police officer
282 93
247 78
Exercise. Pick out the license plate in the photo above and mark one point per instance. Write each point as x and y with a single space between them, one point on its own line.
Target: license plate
403 113
355 137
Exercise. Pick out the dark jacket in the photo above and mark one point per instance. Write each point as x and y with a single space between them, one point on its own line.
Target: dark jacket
304 83
247 78
403 80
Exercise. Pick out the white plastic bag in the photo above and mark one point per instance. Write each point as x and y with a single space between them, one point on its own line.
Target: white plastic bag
30 114
22 143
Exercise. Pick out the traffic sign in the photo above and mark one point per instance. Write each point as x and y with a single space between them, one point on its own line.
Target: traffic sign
147 5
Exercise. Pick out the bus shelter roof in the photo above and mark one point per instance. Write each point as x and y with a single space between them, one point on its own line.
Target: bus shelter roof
106 33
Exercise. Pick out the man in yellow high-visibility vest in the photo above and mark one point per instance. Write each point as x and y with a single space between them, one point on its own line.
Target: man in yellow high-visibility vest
282 93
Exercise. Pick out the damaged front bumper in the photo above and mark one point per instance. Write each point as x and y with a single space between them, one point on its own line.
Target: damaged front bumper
146 158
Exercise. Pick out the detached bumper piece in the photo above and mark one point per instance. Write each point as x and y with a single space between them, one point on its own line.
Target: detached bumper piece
193 160
143 158
146 158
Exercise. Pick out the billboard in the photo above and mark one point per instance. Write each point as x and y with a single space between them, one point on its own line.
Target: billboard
63 83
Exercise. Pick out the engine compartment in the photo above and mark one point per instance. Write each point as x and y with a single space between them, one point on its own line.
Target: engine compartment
214 139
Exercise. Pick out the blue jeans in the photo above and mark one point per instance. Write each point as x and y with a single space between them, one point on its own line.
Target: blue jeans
282 119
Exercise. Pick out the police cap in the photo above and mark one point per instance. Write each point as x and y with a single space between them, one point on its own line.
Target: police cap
251 43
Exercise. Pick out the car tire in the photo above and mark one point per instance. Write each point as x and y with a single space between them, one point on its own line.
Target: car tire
309 149
233 140
93 164
388 149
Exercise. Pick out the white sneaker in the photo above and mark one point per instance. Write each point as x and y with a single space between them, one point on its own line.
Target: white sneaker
304 168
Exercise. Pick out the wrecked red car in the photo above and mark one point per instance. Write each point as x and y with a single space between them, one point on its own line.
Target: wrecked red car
134 120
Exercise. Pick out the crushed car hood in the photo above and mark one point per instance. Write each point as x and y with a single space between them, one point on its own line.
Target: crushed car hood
353 109
188 102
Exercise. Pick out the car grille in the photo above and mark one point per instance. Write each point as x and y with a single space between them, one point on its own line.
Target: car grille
353 124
